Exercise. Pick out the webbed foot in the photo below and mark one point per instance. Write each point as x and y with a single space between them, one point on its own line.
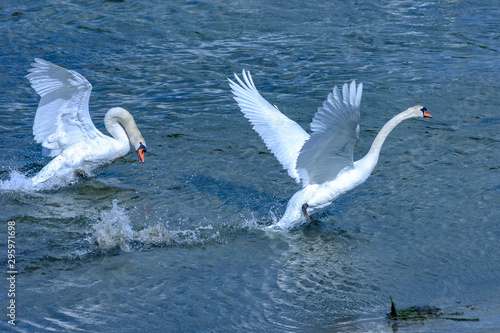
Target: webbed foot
81 174
304 211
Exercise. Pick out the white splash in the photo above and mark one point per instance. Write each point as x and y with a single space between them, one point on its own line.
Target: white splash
254 223
114 229
155 234
19 182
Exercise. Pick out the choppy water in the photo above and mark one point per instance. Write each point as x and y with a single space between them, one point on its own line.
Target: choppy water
176 244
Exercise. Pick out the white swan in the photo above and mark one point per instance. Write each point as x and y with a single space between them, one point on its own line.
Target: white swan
64 128
322 161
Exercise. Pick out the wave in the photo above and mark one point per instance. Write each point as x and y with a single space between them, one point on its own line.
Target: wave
20 182
115 230
17 182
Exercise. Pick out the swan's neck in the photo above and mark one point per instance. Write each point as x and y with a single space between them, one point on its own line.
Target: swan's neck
371 157
116 130
121 125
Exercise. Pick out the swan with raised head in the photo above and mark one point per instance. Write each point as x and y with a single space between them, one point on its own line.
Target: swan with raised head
64 128
323 161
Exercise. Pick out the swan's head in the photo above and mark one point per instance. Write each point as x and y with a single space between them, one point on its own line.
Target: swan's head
118 119
419 111
139 144
141 150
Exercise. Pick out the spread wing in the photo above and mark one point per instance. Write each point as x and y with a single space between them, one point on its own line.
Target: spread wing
335 129
282 136
62 117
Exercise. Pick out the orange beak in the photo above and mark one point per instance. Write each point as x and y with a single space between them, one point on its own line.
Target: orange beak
140 152
427 114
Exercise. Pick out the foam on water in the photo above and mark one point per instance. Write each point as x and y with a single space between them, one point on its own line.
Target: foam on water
254 223
115 229
19 182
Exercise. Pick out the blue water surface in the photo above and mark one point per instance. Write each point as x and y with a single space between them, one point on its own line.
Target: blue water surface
177 244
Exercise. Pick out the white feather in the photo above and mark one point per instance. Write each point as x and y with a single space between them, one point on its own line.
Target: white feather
62 117
335 130
281 135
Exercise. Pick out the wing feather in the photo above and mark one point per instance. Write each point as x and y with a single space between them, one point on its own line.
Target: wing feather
335 129
282 136
62 117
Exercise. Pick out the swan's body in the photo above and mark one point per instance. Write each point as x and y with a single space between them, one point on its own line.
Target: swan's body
323 161
64 128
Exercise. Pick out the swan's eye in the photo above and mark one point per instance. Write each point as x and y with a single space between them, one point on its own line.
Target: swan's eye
423 109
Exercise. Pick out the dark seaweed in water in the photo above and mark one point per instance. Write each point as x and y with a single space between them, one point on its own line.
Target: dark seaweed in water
422 313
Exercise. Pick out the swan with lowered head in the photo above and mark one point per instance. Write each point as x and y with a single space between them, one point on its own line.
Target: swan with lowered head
323 161
64 128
